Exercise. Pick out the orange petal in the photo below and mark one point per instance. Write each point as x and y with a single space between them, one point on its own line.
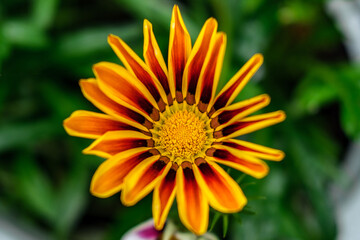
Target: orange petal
138 68
233 158
154 59
163 197
196 59
93 93
119 85
237 83
193 207
210 72
249 124
179 50
230 114
88 124
109 177
253 149
115 142
143 179
223 193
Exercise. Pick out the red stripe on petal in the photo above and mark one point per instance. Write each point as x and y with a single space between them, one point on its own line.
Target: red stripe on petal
250 124
163 197
223 192
119 86
111 173
143 179
229 92
166 188
93 93
196 61
154 58
226 156
114 146
137 66
179 50
92 125
192 205
211 72
229 115
251 150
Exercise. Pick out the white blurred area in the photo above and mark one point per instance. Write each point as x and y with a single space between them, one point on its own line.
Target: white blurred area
10 229
346 14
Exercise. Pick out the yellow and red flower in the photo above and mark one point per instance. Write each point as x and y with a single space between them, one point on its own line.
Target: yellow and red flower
164 129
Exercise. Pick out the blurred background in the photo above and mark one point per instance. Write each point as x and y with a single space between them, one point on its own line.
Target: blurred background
311 50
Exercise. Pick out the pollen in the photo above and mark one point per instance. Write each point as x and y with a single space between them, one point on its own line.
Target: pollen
183 134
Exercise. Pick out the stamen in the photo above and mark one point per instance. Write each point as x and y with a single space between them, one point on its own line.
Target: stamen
183 134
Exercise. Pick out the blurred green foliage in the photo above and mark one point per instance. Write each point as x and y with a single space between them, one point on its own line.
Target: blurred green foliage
46 46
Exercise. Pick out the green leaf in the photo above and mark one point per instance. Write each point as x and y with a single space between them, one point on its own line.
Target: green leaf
216 217
34 187
240 178
24 33
43 12
15 135
72 197
326 83
225 224
88 41
312 94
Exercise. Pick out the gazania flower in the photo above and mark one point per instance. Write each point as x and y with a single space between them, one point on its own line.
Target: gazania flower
164 129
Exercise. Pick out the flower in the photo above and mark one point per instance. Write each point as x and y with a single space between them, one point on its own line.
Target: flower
164 129
146 231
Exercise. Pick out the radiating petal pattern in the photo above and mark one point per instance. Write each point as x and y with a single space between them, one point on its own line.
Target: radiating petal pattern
165 130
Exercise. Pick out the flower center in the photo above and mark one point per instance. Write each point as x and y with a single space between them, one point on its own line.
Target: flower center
183 134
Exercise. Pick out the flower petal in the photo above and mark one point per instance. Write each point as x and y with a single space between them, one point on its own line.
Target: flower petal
163 197
196 59
230 114
235 159
93 93
92 125
155 60
193 207
236 83
143 179
109 177
179 51
249 124
115 142
139 69
116 82
223 193
210 72
253 149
